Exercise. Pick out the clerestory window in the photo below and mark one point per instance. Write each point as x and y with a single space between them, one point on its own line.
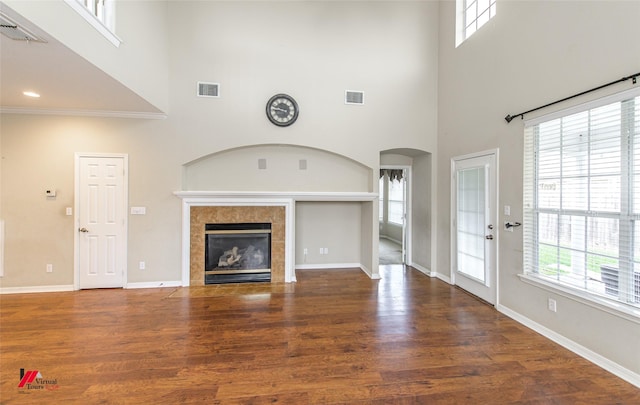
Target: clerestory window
100 14
471 15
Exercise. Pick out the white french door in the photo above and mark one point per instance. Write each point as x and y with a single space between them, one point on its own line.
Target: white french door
101 186
474 227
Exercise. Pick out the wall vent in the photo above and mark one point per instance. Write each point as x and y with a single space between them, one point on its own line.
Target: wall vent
208 89
353 97
10 29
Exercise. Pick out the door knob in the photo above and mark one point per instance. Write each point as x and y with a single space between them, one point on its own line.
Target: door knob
83 230
490 237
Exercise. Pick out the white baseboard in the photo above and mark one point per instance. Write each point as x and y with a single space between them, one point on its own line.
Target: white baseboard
422 269
399 242
442 277
154 284
338 266
369 273
599 360
328 266
36 289
431 273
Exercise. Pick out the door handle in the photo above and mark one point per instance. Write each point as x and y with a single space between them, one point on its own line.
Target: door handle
83 230
490 237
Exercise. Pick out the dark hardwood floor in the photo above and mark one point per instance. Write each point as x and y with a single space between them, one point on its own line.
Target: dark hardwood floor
334 337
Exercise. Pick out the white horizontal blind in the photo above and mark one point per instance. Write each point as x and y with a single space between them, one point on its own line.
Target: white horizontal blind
396 201
582 200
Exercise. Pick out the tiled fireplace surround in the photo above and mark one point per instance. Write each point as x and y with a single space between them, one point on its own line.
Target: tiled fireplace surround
200 216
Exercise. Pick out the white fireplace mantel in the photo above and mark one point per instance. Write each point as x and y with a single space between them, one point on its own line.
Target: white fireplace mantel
290 195
257 198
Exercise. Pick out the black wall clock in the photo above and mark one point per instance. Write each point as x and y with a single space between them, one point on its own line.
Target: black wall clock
282 110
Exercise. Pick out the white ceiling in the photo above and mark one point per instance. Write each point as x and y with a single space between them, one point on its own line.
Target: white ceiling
66 82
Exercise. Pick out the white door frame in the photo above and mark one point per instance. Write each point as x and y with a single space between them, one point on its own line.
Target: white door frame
406 231
76 217
453 208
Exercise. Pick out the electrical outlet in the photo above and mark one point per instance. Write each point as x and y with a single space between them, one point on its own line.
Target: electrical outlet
306 251
321 251
49 268
552 305
326 251
142 265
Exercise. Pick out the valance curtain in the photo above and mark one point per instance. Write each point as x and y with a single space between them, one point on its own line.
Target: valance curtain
394 174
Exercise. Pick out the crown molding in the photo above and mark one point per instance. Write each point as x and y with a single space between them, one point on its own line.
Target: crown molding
85 113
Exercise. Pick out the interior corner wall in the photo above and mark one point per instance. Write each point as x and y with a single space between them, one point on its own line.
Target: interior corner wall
422 210
369 245
531 53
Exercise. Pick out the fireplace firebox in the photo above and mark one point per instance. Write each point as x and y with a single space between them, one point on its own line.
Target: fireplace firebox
237 253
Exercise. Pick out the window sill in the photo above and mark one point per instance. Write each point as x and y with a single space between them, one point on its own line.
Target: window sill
614 308
94 22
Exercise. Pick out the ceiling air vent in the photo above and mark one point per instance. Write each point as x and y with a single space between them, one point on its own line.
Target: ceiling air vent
10 29
353 97
208 89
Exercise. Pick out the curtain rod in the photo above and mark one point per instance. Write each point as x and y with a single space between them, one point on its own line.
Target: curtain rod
633 77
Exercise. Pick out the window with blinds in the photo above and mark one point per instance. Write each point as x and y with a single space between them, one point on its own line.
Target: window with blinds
582 198
391 198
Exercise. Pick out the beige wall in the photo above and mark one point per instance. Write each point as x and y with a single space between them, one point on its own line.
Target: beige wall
387 50
530 54
335 226
38 153
313 51
423 212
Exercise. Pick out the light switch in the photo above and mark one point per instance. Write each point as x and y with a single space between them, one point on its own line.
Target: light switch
69 211
507 210
138 210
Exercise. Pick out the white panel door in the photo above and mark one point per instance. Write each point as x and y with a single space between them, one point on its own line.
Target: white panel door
101 222
474 226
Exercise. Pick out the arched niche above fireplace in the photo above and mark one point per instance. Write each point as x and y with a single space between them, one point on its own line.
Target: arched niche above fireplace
276 168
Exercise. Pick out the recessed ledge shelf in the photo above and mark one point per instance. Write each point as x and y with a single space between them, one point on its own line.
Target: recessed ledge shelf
293 195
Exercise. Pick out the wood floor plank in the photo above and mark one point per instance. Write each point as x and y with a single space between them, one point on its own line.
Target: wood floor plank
334 337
